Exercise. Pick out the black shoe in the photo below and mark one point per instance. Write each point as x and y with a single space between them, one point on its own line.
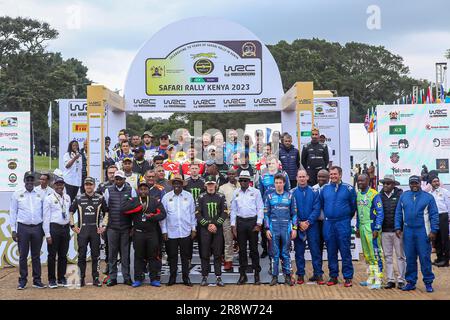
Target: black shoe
21 286
204 282
82 282
52 284
242 279
111 283
274 281
97 283
389 285
400 285
187 282
313 279
39 285
62 283
172 281
264 254
257 279
219 282
435 261
441 264
128 282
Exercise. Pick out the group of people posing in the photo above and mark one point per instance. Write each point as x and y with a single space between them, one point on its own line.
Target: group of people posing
167 206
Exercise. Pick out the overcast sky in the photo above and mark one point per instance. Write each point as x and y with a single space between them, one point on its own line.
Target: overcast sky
105 35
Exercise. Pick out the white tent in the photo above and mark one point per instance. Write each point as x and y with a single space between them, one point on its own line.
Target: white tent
362 144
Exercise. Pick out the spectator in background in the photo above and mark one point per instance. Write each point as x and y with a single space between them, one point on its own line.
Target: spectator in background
161 179
72 169
322 138
125 152
364 170
121 137
43 188
140 165
158 161
191 157
213 170
130 177
135 142
315 157
171 165
372 177
206 142
109 154
290 158
183 141
164 141
149 149
232 146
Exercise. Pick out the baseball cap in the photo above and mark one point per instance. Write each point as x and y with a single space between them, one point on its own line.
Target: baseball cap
148 133
120 174
164 135
210 179
139 149
58 179
245 175
210 162
142 183
127 159
414 179
29 174
89 180
170 147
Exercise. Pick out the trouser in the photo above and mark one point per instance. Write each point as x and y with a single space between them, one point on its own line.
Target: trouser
373 253
146 246
312 173
72 191
390 242
60 246
191 248
264 240
30 237
280 245
245 234
185 247
313 239
417 243
228 239
105 239
337 234
211 243
442 242
88 235
119 241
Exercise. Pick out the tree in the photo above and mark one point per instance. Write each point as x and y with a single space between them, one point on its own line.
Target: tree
447 54
31 77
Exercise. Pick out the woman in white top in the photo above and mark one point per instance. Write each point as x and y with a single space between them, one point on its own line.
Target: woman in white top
72 169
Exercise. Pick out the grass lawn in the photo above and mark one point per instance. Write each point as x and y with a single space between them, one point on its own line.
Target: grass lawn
41 163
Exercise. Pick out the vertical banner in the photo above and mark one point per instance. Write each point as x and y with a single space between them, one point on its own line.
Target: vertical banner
412 136
96 110
15 146
304 111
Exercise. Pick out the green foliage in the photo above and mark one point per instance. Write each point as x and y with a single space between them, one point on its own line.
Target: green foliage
31 77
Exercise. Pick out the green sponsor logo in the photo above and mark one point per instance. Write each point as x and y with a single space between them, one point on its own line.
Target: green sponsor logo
399 129
195 192
212 209
305 134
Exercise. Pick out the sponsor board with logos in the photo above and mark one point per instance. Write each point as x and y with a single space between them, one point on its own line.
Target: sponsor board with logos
15 150
226 69
410 136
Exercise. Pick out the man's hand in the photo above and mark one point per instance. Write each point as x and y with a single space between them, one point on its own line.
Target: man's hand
304 225
257 228
375 234
432 236
357 234
269 235
76 230
293 234
398 233
234 231
165 237
193 234
14 236
49 240
100 230
212 228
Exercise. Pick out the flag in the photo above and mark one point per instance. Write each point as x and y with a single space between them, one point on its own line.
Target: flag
429 95
268 133
375 120
419 98
366 121
442 93
49 115
371 122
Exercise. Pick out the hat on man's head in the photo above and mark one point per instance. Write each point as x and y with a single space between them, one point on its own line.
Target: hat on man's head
210 179
165 135
28 174
127 159
139 149
178 177
390 178
143 183
245 175
147 133
58 179
89 180
414 179
119 174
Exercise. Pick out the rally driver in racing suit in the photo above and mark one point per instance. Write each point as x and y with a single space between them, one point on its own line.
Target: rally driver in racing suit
280 221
